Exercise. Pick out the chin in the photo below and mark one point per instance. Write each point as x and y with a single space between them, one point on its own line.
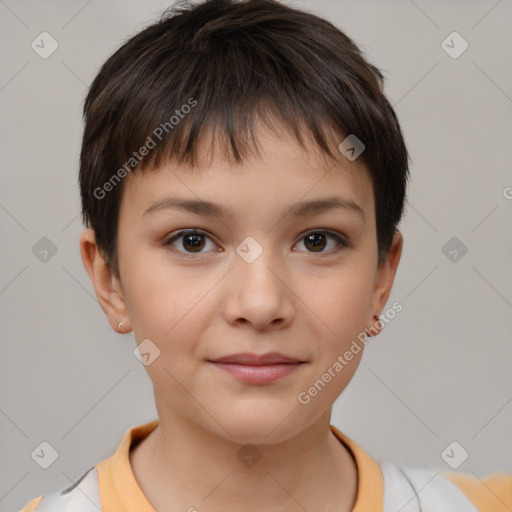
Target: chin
258 429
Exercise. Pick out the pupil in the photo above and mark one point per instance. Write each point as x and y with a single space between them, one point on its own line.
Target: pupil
196 243
310 238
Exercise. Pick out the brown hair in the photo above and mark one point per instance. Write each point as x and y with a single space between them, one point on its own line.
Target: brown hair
221 64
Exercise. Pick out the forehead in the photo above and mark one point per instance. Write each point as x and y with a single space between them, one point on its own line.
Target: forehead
278 172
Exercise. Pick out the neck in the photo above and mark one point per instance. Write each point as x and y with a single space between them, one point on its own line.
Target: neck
181 464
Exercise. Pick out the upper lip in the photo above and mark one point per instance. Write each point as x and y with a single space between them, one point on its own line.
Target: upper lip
257 360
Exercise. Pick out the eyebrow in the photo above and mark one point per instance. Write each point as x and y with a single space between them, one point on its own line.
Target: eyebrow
212 209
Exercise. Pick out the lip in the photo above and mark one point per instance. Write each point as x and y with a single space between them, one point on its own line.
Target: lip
247 358
257 369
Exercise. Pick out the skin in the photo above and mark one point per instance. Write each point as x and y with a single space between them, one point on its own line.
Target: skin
291 299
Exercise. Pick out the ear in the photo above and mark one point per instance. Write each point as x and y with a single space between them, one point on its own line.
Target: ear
384 279
108 287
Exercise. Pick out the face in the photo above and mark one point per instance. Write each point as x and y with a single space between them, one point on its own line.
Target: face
257 275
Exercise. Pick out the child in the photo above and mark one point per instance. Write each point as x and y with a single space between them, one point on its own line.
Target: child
242 178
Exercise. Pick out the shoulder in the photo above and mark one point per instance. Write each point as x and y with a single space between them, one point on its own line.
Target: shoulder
490 494
81 496
428 490
32 504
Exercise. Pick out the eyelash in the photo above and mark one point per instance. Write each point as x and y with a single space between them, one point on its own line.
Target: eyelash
343 243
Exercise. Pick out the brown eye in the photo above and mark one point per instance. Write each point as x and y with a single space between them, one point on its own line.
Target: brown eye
193 242
188 242
317 241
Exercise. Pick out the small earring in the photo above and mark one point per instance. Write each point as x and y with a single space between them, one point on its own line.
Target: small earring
369 330
119 326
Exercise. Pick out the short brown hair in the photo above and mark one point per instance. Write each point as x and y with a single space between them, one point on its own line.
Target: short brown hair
221 64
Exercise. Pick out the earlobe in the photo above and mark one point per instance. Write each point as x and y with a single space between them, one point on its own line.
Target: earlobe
109 297
374 329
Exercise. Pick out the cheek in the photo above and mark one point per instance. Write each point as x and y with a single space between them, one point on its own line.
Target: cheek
343 311
160 297
342 298
340 344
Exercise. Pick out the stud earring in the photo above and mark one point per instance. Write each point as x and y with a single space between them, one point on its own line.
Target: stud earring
374 330
119 326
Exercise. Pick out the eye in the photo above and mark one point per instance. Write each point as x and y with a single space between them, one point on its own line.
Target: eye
192 241
318 240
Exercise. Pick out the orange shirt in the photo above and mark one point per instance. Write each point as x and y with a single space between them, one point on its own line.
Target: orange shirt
120 492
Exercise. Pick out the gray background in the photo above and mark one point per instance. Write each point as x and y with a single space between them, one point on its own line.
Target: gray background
439 372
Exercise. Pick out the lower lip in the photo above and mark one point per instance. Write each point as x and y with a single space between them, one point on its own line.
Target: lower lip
262 374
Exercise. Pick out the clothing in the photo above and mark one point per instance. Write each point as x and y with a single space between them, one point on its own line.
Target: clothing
110 486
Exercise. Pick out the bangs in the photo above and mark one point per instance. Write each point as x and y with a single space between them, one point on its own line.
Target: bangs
235 137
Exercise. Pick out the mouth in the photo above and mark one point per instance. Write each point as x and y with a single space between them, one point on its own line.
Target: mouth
257 369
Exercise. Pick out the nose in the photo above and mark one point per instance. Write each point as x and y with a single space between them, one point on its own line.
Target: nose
259 294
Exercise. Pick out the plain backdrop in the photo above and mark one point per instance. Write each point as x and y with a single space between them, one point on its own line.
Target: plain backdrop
439 372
